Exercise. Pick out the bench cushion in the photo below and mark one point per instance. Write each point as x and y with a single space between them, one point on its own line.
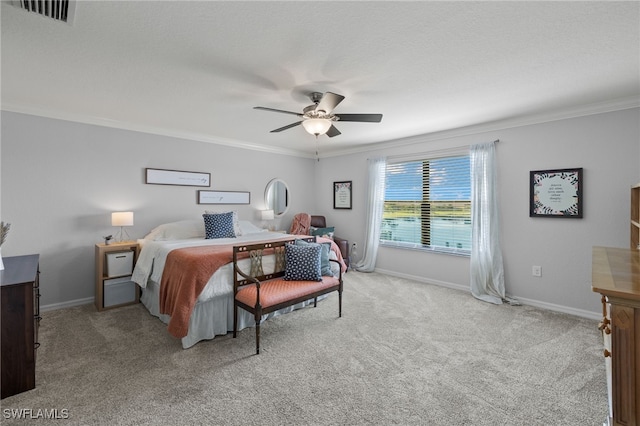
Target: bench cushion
279 290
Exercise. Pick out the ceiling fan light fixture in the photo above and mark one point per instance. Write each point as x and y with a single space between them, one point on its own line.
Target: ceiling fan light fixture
316 126
318 119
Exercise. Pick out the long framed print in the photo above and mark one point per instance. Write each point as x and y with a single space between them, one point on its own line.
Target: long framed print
556 193
224 197
342 195
176 177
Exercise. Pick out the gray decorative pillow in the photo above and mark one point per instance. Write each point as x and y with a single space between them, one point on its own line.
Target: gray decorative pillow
325 265
302 263
218 225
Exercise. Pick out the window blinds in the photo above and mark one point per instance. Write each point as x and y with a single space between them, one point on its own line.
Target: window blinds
428 203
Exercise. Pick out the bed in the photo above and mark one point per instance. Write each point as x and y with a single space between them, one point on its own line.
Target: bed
212 313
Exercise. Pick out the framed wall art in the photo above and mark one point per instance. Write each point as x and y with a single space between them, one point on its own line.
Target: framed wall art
342 195
224 197
176 177
556 193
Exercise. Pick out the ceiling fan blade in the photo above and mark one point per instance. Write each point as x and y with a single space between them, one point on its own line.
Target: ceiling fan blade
278 110
333 131
328 102
286 127
367 118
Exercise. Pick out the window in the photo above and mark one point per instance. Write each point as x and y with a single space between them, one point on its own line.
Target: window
428 204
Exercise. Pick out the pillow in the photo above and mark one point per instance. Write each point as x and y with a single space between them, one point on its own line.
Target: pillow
177 231
236 225
322 232
218 225
325 265
247 227
335 266
302 262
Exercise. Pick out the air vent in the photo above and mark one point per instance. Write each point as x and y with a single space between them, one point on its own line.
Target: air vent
60 10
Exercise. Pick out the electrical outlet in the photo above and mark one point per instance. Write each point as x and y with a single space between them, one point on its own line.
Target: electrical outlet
354 246
536 271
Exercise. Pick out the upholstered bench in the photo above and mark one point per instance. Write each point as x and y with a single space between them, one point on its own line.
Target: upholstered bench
296 278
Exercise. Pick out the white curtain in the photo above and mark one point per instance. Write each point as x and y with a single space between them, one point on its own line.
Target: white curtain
487 270
375 207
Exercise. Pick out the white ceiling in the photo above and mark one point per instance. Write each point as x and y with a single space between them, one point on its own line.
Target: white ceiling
197 69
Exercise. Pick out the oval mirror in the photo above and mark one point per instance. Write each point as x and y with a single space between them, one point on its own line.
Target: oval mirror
276 197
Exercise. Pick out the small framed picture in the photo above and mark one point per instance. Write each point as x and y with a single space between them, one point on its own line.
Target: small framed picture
555 193
342 195
224 197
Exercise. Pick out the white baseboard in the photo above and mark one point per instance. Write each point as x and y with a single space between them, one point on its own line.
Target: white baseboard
69 304
531 302
423 279
560 308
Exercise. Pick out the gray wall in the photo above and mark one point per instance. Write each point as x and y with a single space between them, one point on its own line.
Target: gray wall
605 145
61 181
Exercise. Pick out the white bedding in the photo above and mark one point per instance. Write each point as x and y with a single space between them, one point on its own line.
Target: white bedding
213 312
153 256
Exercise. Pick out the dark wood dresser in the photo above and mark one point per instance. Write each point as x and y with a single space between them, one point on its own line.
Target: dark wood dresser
20 318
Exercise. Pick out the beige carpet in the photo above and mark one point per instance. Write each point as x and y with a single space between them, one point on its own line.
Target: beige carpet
403 353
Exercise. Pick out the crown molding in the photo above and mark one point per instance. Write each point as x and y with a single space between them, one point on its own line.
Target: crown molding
525 120
122 125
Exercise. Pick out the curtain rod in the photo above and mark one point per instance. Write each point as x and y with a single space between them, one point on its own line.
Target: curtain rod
443 151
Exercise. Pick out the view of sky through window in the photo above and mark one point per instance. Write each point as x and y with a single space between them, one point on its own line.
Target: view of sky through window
446 183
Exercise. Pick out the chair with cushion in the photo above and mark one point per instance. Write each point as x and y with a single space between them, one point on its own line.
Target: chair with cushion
320 222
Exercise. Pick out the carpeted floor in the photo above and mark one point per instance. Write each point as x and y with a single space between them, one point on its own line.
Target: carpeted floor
403 353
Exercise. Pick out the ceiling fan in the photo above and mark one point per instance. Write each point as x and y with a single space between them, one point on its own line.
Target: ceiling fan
318 119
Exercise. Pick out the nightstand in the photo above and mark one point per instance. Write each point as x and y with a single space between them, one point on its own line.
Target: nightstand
114 266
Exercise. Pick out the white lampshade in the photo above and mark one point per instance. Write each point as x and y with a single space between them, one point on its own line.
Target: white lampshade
316 126
122 219
267 214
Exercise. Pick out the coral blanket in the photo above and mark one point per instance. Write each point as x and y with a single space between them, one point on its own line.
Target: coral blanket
188 270
186 273
301 223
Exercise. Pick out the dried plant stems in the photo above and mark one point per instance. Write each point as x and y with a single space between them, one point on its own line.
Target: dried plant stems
4 231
